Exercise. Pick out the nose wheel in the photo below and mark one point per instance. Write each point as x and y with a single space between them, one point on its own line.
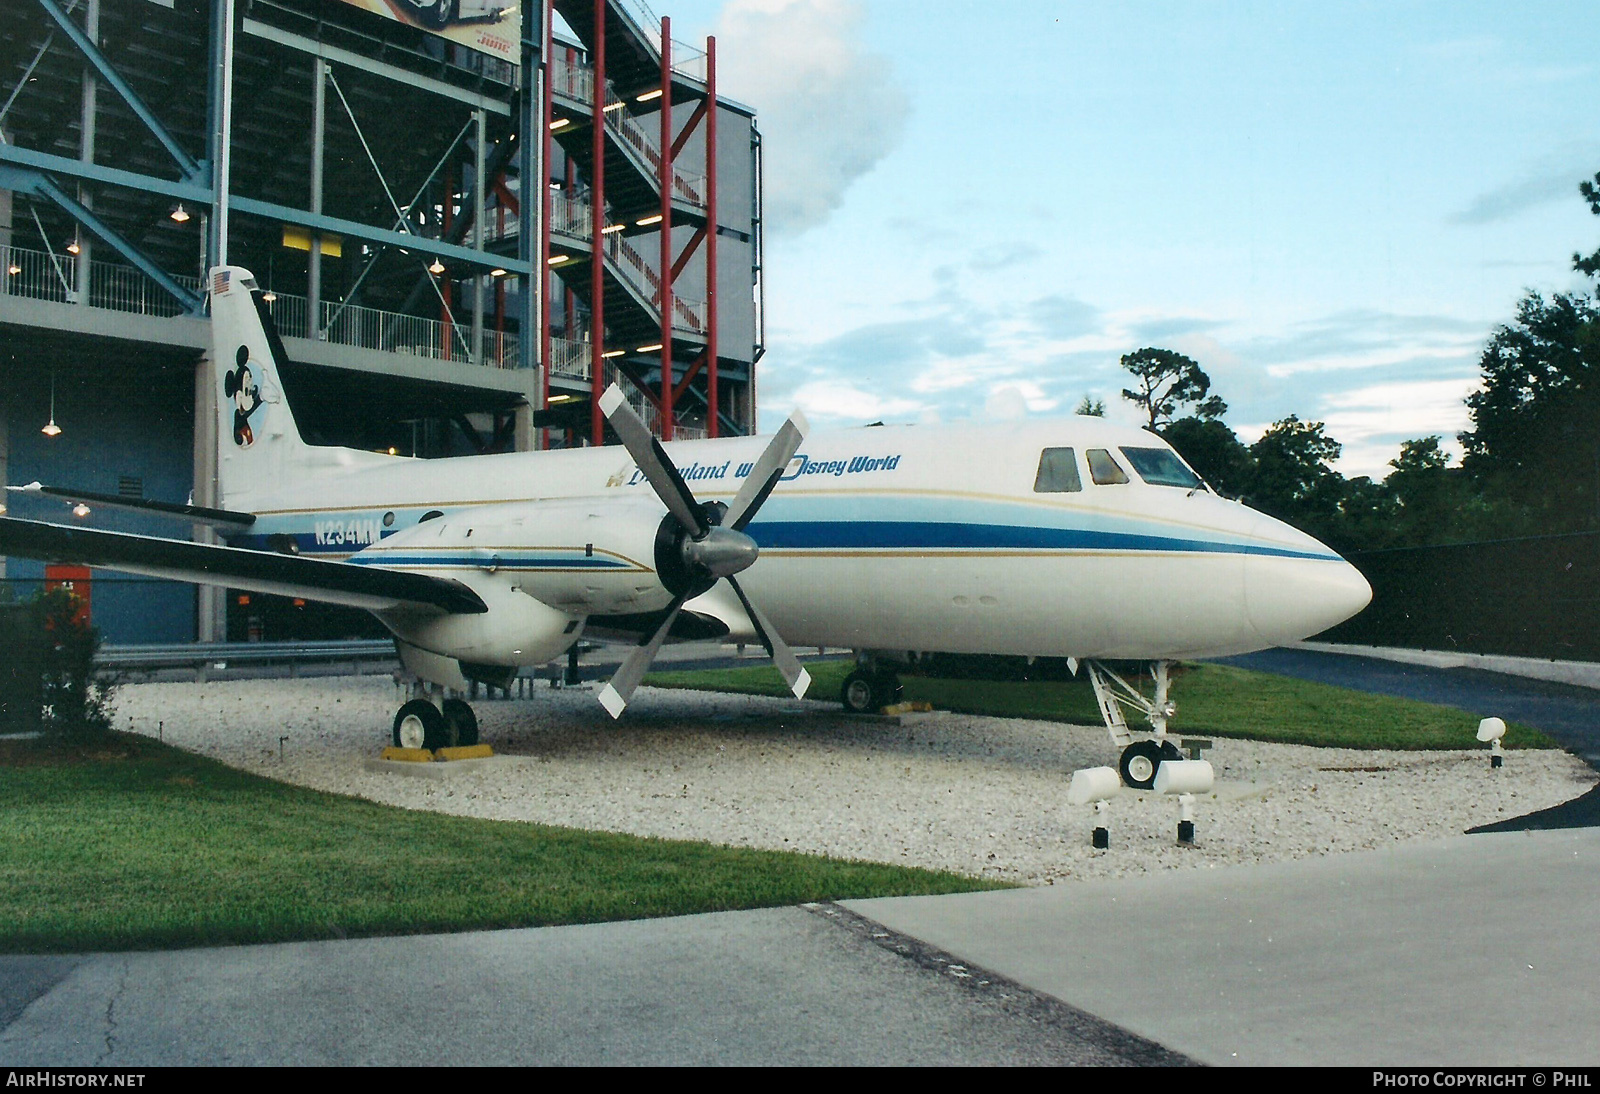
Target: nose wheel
1142 759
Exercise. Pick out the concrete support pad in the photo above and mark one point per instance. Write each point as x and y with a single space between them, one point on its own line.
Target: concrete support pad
436 769
1475 950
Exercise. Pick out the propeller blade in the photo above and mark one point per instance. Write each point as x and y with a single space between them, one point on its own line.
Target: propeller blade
768 469
653 461
619 689
794 675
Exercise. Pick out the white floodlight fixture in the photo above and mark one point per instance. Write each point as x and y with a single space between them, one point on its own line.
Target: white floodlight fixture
436 267
559 260
269 296
497 272
560 123
613 106
180 214
654 218
13 269
554 399
1491 730
614 353
649 95
609 228
80 510
75 248
648 349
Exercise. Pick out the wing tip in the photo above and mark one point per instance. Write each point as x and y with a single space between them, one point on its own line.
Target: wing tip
612 399
802 684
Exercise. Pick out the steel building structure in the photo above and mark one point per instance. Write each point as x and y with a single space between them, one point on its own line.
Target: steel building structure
371 174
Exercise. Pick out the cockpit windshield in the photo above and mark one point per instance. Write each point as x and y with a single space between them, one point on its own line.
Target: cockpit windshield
1161 467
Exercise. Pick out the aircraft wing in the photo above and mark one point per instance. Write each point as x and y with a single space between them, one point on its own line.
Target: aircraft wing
369 587
197 514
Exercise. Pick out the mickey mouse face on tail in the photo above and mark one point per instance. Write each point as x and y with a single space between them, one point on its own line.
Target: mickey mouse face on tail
241 386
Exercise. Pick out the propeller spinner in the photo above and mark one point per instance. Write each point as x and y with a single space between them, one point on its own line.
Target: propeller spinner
700 544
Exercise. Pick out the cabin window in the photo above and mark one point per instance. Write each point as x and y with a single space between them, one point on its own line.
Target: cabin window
1162 467
1058 472
1103 469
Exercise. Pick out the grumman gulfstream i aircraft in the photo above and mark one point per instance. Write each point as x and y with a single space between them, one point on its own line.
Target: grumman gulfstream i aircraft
1072 538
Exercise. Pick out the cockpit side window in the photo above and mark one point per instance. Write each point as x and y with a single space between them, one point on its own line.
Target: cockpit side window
1058 472
1162 467
1103 469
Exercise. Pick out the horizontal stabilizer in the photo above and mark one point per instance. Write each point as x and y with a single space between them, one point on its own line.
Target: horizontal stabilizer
369 587
195 514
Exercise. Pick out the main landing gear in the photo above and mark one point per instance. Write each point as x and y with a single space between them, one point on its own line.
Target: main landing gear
870 688
430 722
1140 759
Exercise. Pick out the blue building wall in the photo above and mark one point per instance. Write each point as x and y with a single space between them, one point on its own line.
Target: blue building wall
116 422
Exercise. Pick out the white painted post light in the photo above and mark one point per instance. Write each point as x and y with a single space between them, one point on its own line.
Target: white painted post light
1491 730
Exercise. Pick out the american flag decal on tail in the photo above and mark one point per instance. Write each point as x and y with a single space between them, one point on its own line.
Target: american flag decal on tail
219 282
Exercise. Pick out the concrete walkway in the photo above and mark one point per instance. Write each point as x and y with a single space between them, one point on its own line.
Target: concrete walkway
780 986
1472 951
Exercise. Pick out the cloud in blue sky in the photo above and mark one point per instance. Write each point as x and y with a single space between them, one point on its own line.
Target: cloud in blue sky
829 108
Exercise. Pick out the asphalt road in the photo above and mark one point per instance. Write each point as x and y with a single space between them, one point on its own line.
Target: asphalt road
1570 715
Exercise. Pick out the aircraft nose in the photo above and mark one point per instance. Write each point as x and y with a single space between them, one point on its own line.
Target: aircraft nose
1297 587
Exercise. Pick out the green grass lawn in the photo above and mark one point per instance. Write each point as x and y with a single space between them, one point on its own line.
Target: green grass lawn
123 843
1214 700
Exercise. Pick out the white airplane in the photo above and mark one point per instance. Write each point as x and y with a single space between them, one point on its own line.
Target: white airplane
1072 538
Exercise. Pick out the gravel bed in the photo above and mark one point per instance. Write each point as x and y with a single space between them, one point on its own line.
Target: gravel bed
975 795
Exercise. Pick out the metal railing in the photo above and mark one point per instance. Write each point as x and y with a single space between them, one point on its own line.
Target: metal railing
571 217
42 275
576 82
394 332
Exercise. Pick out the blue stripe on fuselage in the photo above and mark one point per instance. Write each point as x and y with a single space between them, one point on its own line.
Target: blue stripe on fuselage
934 535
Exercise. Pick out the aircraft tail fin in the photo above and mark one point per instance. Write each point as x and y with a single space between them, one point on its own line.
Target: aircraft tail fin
259 447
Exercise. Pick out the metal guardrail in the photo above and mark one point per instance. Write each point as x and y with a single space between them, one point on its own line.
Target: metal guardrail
204 656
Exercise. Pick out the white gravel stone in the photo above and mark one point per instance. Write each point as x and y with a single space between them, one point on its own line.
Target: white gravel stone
974 795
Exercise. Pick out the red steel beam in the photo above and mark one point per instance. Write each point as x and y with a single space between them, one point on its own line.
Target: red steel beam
667 270
694 370
688 252
711 240
597 202
688 128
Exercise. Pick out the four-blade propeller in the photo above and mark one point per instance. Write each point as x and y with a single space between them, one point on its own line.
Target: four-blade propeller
700 543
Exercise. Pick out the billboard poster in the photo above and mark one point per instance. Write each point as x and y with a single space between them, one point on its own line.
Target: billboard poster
489 26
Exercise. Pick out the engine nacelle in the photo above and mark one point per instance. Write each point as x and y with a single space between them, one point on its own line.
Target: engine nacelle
516 630
579 556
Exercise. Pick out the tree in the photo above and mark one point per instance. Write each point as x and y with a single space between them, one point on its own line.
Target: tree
1591 194
1168 380
1292 480
1212 449
1534 445
1091 407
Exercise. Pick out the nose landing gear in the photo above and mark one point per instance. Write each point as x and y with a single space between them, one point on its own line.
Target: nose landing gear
1140 759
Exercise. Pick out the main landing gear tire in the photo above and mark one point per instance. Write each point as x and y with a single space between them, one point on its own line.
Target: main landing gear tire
461 724
419 724
868 693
